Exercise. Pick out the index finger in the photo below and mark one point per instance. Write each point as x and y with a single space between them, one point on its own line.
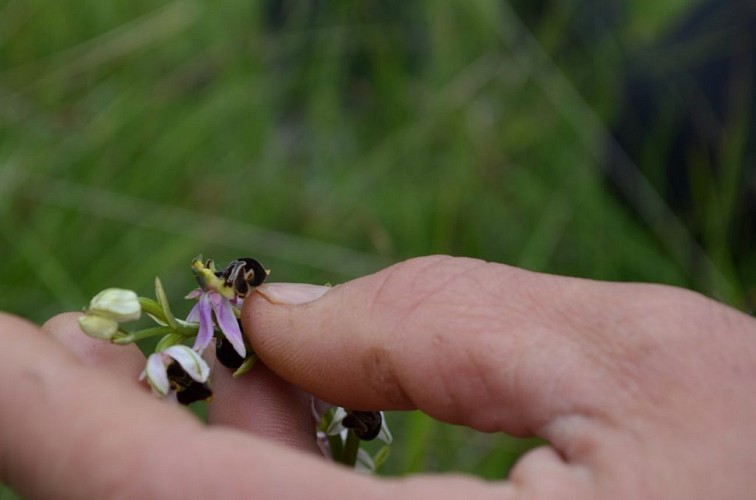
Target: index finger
67 433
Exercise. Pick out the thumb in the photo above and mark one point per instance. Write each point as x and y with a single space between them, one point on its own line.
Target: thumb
466 341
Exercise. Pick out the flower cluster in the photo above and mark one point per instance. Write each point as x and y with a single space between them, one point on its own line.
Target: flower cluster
178 373
174 370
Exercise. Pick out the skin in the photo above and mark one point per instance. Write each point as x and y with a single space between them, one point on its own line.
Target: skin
642 391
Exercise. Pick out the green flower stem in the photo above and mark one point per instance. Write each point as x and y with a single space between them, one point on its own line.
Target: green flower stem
337 448
351 447
189 330
153 308
142 334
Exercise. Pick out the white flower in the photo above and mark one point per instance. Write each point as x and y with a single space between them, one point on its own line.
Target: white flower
178 371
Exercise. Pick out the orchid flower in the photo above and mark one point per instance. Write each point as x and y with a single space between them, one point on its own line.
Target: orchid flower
178 373
220 293
368 425
334 423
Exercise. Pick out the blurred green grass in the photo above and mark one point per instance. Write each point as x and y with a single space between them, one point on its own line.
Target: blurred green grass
330 139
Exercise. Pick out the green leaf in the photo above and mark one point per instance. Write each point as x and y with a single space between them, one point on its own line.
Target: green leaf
166 308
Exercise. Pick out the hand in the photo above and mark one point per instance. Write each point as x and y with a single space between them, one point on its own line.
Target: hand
643 391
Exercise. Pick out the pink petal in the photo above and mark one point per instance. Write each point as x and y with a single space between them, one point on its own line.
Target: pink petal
224 313
196 293
205 334
194 315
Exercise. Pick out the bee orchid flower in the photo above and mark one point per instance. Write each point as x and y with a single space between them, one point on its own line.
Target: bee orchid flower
334 422
219 294
178 372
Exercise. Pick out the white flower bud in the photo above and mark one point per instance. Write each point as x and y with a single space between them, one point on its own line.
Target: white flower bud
98 327
116 304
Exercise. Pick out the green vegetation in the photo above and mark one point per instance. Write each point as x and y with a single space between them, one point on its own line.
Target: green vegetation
329 139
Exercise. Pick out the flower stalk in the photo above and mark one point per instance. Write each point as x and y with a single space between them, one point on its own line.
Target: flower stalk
351 447
129 338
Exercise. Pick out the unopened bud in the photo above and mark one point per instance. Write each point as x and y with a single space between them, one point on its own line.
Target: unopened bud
98 327
116 304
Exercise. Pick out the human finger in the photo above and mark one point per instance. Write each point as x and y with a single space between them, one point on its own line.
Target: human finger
65 432
61 416
126 362
482 344
441 334
631 384
262 403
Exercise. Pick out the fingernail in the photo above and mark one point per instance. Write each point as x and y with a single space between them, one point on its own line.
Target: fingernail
291 294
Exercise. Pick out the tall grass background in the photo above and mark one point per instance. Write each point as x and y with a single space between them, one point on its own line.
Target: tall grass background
330 139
